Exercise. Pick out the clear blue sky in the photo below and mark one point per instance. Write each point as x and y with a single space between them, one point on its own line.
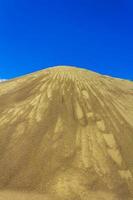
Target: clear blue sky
94 34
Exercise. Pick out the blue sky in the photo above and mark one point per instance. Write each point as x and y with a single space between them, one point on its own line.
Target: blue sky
92 34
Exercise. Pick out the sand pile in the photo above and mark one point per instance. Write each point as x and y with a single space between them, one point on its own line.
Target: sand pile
67 132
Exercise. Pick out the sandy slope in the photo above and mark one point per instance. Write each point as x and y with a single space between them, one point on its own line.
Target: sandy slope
67 132
15 195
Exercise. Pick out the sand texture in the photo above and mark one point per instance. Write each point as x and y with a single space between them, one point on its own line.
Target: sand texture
66 133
